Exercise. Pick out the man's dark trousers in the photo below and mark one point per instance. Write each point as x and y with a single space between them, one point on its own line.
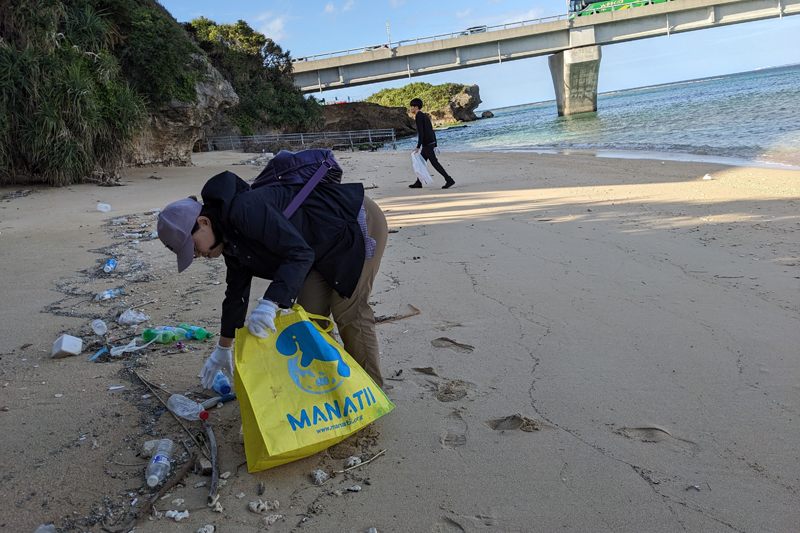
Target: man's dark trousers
429 155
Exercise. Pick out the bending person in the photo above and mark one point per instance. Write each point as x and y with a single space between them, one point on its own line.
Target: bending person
324 257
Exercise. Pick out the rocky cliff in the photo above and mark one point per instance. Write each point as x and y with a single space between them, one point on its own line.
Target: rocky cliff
460 108
367 116
173 129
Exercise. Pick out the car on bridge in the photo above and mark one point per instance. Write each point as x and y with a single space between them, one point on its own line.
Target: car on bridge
582 8
473 30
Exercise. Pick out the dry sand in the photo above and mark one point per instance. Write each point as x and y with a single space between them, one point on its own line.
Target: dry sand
640 320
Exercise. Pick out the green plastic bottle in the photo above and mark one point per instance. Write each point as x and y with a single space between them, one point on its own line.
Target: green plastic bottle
161 337
195 332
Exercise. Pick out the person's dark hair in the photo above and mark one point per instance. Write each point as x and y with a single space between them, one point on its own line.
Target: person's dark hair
213 214
416 102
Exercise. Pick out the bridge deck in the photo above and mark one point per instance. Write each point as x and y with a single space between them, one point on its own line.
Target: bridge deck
545 38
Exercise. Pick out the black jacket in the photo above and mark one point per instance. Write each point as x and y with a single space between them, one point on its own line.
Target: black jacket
323 233
425 133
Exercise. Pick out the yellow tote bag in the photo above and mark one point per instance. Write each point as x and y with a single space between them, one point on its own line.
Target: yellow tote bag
299 392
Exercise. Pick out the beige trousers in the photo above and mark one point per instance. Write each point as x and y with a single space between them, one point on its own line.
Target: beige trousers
353 316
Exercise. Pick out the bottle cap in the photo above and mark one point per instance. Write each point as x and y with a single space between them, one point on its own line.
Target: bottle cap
152 481
225 389
203 415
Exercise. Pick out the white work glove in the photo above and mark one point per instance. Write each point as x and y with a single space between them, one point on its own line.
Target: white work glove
263 318
220 359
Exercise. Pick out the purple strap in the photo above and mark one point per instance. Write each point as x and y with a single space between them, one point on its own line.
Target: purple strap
323 169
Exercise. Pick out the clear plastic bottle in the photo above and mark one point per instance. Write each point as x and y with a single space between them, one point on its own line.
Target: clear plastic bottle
161 337
105 295
221 383
110 265
158 468
186 408
182 333
195 332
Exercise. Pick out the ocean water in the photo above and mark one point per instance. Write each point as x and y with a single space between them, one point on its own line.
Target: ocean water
751 117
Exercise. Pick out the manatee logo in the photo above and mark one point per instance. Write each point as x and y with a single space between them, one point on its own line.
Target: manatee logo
314 365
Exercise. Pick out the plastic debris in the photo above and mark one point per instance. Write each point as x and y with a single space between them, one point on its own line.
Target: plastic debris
65 346
177 515
99 327
130 347
319 477
131 318
99 353
49 528
707 177
116 387
104 208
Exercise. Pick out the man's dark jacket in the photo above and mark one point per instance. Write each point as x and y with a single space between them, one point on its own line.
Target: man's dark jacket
323 233
425 133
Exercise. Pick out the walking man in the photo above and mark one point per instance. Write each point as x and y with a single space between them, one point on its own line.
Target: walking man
426 140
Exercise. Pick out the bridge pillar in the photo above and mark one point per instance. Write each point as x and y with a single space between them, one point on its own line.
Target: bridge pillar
575 73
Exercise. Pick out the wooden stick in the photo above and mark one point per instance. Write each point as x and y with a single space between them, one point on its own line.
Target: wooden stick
395 318
147 383
212 493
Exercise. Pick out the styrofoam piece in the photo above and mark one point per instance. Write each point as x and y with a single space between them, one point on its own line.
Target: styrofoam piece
65 346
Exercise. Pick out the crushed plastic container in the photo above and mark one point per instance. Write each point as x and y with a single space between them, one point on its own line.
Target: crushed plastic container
99 327
110 265
161 337
221 383
106 295
186 408
105 208
195 332
182 333
65 346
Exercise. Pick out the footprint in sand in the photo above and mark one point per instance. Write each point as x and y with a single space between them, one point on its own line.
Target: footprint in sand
444 342
657 434
446 525
456 431
512 422
451 391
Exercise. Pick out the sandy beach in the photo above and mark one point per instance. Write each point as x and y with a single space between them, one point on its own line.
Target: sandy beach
603 345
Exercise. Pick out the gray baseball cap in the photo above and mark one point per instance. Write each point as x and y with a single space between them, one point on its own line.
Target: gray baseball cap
175 225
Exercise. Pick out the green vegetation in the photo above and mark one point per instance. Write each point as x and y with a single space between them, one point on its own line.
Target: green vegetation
261 74
78 77
433 97
64 108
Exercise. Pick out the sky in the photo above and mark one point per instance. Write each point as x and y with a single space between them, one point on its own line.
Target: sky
318 26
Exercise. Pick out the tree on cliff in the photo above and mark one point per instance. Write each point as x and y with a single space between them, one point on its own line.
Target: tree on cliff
261 74
434 96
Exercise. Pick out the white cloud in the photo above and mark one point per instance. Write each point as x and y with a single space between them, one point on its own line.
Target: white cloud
349 5
272 26
329 8
462 14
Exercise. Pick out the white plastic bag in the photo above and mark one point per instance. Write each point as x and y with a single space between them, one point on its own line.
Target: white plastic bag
131 318
421 169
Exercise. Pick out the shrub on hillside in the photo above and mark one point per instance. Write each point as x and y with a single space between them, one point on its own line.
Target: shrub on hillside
433 96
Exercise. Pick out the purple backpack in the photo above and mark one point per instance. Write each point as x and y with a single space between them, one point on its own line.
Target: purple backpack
308 167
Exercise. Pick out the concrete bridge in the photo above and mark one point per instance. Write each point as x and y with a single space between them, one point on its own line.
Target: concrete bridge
574 46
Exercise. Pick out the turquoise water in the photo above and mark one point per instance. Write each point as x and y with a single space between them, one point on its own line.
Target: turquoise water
752 116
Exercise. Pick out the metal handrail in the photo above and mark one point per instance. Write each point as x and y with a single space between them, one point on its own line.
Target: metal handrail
460 33
339 138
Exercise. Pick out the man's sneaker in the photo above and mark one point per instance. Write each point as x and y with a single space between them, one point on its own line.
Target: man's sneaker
416 185
449 184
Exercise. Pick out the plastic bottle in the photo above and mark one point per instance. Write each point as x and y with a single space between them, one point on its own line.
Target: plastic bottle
110 265
186 408
221 383
195 332
158 468
99 327
161 337
105 208
105 295
182 333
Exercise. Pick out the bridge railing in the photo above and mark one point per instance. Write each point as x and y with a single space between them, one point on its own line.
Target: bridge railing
440 36
331 139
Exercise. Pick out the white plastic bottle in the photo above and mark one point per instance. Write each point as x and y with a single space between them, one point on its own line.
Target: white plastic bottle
186 408
158 468
99 327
